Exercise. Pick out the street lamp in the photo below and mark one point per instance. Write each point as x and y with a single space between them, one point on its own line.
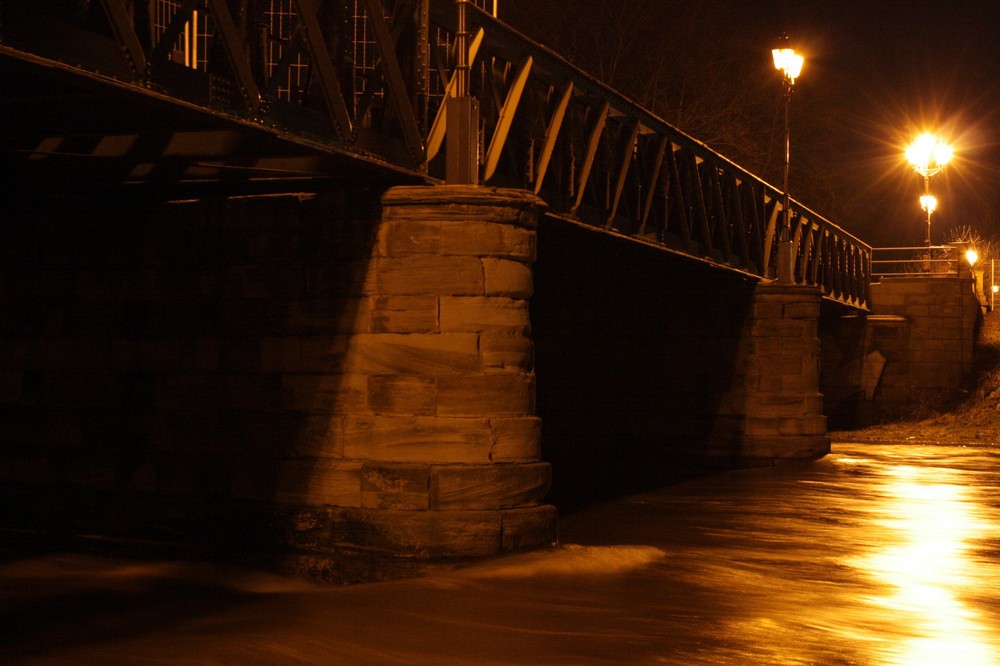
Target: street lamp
928 155
789 63
928 202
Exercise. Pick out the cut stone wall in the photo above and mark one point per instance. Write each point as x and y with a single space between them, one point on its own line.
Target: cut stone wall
909 355
926 362
775 406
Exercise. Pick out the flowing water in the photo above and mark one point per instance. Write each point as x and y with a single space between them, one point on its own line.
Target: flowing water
877 554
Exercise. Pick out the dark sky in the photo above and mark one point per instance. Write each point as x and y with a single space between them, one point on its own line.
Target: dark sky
891 69
877 73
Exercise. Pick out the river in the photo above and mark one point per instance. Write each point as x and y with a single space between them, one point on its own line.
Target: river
874 555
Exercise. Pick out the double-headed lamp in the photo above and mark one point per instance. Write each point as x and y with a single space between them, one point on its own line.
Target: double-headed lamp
928 154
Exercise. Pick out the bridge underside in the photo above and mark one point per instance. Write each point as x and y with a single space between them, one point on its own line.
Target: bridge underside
63 133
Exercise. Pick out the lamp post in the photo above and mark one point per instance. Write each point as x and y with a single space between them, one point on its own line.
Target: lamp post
789 63
928 155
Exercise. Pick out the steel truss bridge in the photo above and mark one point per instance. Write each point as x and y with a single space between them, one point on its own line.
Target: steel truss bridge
193 96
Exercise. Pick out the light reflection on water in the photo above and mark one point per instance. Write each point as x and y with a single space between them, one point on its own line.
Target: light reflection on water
875 555
930 524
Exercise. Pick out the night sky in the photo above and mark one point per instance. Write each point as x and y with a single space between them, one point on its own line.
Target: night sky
876 74
889 70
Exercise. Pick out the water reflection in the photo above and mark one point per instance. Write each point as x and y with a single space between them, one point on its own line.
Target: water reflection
875 555
930 526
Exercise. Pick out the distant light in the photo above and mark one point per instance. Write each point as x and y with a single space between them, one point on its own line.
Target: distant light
789 62
996 288
928 154
928 202
971 256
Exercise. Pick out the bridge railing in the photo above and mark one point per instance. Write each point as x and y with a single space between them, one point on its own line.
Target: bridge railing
921 261
598 157
367 78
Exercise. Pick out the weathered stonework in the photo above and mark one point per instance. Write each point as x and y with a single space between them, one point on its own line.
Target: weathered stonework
437 455
924 328
775 410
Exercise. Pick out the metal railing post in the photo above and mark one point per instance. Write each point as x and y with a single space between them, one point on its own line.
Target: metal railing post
462 131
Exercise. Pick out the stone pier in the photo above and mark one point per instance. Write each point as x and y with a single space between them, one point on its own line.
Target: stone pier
439 456
775 408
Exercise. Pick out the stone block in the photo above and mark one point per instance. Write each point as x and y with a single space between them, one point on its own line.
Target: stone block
319 482
799 384
781 328
790 447
532 527
484 314
391 394
430 275
424 354
395 486
808 310
358 277
405 314
307 528
425 534
516 439
780 364
462 202
486 395
460 237
324 353
418 439
495 486
326 316
803 425
506 350
774 405
768 309
947 356
508 278
308 435
327 393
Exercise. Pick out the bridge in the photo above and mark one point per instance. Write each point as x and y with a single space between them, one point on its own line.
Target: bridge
255 295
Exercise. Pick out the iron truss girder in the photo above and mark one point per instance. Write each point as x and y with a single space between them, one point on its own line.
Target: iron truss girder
370 86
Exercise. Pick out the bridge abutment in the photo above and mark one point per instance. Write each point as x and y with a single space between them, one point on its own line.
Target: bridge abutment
908 356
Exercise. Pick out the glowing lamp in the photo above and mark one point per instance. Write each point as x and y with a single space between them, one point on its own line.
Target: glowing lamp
928 154
971 256
789 62
928 202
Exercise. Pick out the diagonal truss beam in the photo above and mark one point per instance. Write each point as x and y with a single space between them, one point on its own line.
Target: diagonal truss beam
628 151
600 121
394 77
506 119
323 66
237 55
121 24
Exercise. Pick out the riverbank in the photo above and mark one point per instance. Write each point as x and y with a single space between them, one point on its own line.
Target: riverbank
972 418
